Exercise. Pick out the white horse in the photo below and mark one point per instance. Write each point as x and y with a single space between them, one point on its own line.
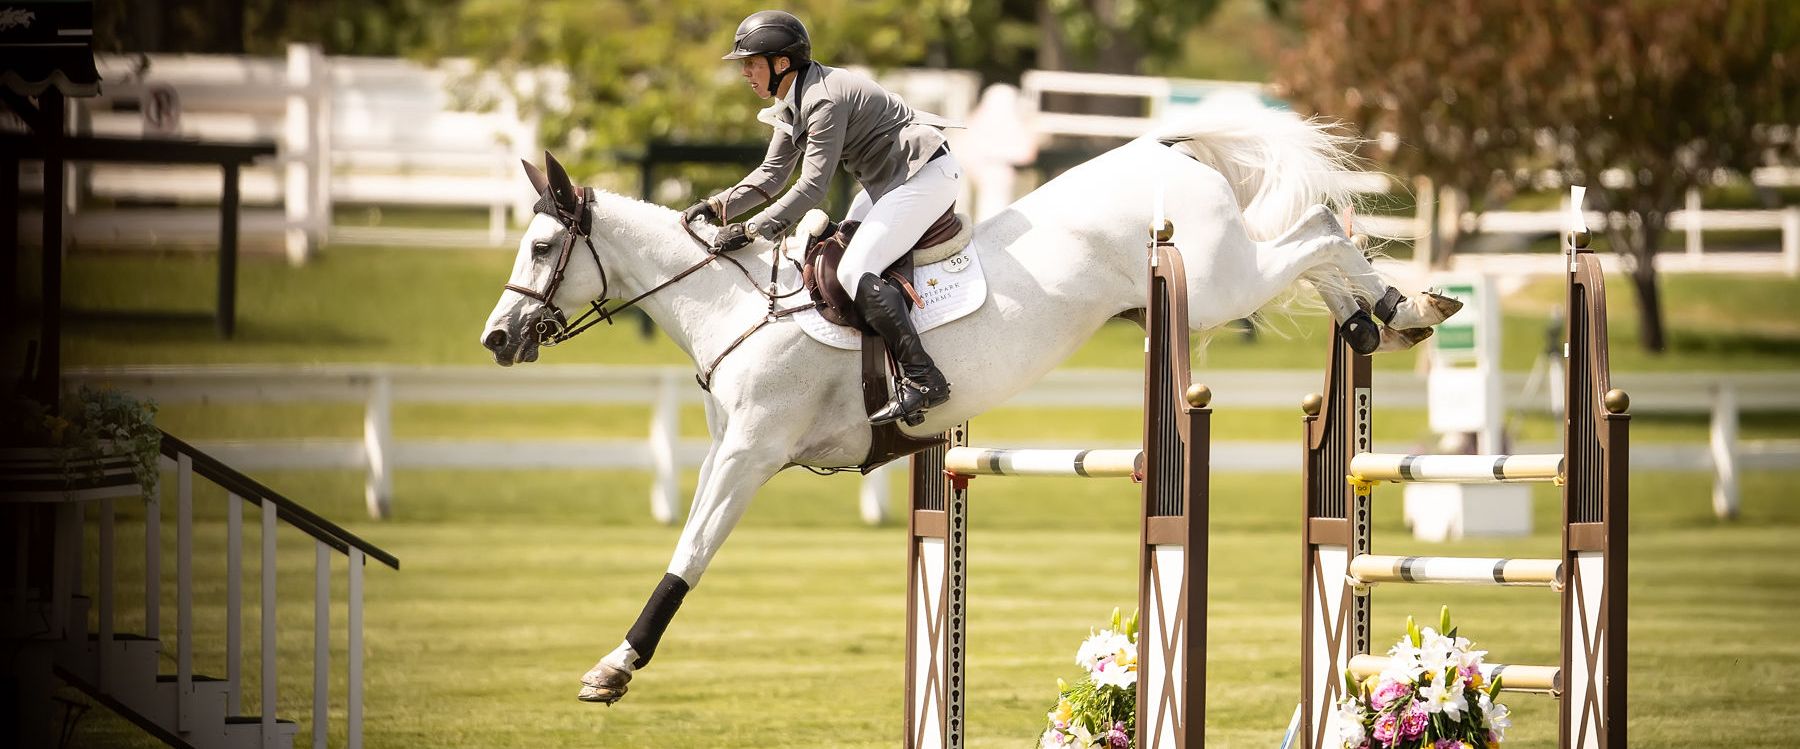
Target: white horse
1244 196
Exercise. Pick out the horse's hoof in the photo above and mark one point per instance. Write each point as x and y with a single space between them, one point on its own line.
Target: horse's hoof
1401 339
1442 307
604 683
601 695
1361 332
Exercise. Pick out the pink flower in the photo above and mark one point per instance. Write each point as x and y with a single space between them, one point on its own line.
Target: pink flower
1412 725
1388 693
1447 744
1387 729
1117 737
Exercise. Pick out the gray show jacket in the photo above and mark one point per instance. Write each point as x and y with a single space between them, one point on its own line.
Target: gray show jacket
840 117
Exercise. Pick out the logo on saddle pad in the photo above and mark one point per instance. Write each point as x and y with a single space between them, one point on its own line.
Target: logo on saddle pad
950 284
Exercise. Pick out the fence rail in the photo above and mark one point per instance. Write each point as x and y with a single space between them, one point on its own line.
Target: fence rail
667 389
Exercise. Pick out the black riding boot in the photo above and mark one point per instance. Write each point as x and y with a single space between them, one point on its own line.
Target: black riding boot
921 385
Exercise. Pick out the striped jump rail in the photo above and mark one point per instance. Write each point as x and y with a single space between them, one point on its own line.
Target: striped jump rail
1514 677
982 461
1340 569
1369 468
1379 568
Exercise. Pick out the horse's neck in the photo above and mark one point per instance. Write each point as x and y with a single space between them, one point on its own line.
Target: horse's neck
700 313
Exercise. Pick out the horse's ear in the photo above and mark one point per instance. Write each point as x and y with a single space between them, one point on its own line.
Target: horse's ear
561 189
539 182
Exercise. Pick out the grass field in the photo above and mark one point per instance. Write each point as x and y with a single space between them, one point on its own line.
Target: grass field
513 583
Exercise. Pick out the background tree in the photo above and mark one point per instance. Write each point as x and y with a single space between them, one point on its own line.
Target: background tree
1639 100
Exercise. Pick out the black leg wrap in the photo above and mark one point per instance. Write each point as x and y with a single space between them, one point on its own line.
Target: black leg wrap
1391 301
1361 333
648 630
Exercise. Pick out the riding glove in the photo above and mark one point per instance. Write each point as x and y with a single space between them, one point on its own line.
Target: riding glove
733 236
697 211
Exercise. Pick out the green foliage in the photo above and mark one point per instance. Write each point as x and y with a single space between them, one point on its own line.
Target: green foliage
1151 28
1482 97
643 70
90 426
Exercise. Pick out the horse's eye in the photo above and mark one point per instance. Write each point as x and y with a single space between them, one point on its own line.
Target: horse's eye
540 248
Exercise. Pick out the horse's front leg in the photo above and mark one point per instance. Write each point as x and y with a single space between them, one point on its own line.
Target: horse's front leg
733 473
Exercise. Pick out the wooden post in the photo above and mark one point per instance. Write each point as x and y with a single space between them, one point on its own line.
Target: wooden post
936 600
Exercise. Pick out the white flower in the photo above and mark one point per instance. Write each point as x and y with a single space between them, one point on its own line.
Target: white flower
1098 646
1053 739
1466 658
1403 663
1444 696
1436 652
1497 718
1083 737
1346 723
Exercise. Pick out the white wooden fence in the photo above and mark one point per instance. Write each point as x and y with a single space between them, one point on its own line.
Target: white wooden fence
667 389
1166 99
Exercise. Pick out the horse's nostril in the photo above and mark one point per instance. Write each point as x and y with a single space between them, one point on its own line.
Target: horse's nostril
496 339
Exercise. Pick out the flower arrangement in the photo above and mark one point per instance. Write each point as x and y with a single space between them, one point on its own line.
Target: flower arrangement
91 427
1432 695
1101 709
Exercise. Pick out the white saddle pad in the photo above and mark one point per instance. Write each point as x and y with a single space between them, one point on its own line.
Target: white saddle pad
951 289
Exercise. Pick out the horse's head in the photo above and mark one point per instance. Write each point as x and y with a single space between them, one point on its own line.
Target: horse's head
557 268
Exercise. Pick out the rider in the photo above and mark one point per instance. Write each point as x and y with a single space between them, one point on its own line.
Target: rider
822 117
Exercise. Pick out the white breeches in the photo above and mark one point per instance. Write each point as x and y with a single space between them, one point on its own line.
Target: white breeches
893 224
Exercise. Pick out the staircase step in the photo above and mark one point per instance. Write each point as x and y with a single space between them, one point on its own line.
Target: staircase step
246 731
130 661
204 724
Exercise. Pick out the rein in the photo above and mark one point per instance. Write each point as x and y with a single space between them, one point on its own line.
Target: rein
551 332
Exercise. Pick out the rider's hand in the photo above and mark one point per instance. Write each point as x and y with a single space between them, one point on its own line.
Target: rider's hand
734 236
698 211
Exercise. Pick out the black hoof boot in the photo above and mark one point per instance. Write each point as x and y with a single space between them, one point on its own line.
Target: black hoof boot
1361 332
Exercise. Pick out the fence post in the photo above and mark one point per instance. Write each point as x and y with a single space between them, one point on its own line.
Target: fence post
1790 240
300 143
876 486
378 440
1691 223
665 430
1424 218
1724 452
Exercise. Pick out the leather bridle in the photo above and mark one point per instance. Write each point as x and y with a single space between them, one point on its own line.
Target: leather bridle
555 328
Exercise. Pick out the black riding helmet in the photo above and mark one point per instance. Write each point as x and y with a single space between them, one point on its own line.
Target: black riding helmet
772 33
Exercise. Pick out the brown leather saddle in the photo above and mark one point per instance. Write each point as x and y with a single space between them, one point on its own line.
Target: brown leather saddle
819 269
819 274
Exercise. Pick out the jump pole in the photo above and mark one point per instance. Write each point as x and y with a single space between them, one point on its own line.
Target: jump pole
1173 469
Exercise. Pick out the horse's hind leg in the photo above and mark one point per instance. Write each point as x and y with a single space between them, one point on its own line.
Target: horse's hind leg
1394 308
1355 324
733 474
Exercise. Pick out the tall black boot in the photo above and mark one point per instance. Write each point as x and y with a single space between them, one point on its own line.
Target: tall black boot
921 385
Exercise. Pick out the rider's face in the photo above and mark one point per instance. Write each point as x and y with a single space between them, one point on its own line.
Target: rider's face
756 71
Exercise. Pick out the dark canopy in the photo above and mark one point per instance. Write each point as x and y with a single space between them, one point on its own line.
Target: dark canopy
48 43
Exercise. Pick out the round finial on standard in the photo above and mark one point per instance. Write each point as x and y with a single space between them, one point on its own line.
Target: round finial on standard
1616 401
1580 238
1312 404
1198 396
1165 232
